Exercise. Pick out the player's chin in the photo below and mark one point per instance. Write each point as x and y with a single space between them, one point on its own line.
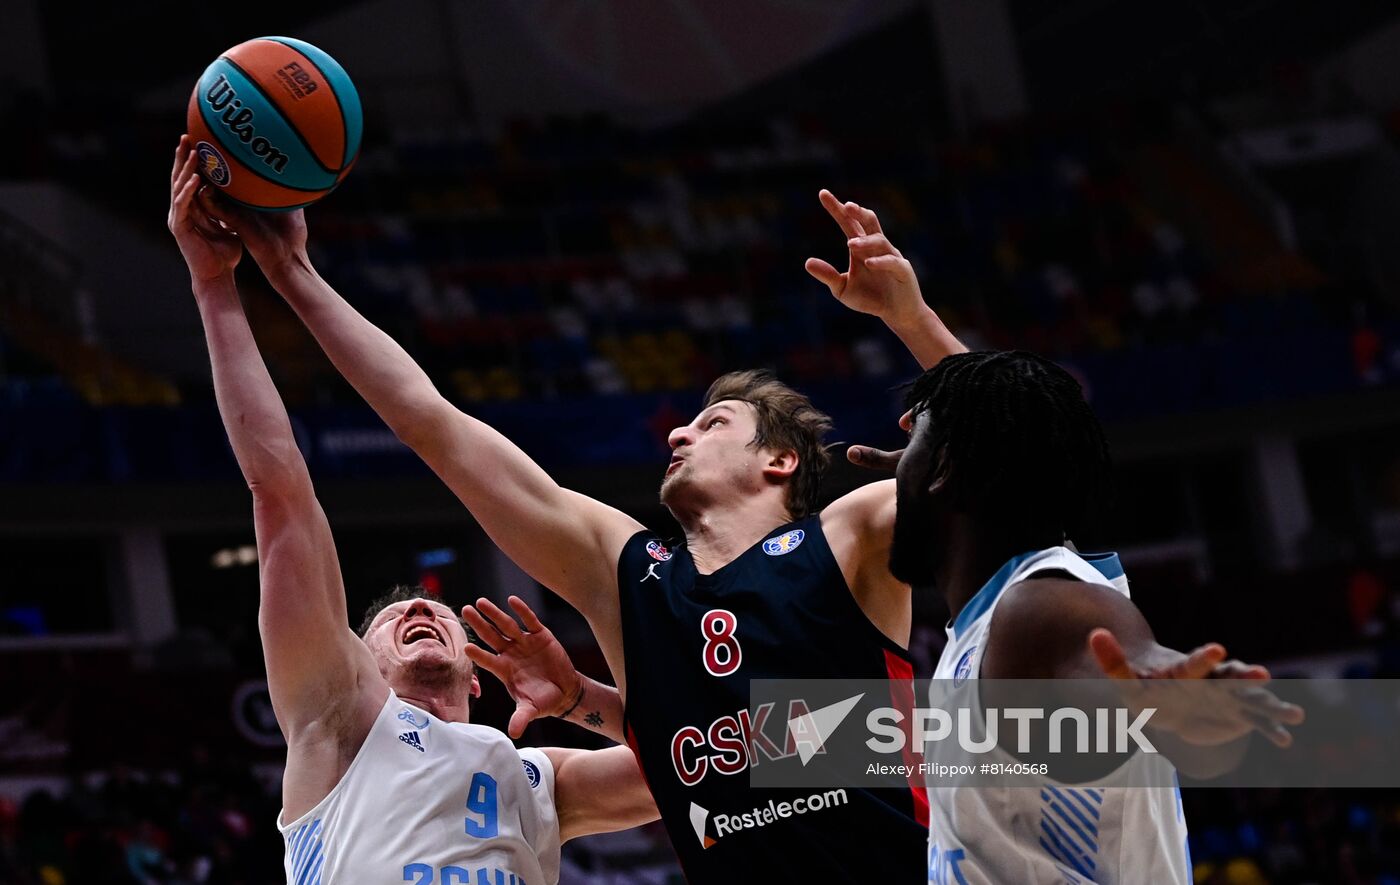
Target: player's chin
671 486
429 667
911 563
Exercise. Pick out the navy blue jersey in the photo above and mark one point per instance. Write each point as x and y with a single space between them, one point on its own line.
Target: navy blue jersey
781 610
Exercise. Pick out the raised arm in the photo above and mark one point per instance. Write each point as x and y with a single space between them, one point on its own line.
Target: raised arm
599 791
1061 628
513 499
859 526
315 665
880 281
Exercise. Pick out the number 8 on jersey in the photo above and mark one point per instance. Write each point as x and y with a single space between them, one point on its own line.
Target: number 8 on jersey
722 654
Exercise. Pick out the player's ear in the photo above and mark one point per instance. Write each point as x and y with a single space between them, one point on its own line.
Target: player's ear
476 685
942 473
781 464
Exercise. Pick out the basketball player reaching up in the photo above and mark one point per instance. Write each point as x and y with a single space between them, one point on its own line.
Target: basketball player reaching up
1006 461
386 779
537 671
763 586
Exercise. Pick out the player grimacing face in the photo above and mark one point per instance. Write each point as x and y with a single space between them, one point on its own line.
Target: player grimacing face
420 642
713 457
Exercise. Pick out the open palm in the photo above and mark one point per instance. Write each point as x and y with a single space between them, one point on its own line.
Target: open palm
878 280
1200 697
530 662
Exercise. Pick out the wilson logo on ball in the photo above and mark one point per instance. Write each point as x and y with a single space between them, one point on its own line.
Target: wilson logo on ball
285 118
223 99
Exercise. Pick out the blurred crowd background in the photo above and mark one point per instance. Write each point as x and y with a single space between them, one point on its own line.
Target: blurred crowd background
575 216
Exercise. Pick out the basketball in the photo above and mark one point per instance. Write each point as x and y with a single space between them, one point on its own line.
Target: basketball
276 123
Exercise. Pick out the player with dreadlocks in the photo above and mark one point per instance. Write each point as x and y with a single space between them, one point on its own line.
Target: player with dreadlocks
1034 457
1005 463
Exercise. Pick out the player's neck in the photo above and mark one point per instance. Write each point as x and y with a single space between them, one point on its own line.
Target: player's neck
718 535
441 705
972 558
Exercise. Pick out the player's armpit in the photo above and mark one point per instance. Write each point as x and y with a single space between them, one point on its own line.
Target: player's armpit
865 514
317 669
599 791
859 527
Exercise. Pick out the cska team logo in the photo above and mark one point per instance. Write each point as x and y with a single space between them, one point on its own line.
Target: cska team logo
657 552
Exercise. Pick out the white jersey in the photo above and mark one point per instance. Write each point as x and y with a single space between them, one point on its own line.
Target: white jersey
1108 835
429 802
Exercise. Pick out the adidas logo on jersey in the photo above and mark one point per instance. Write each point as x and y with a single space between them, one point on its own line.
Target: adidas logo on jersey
411 738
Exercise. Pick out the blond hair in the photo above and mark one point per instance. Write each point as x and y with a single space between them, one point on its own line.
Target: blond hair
787 420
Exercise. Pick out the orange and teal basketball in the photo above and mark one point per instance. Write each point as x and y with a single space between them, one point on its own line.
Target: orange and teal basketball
276 123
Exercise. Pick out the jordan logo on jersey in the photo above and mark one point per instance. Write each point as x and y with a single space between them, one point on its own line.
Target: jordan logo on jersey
411 738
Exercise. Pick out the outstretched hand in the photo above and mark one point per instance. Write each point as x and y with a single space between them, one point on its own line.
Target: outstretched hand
530 662
274 239
1201 697
879 280
210 250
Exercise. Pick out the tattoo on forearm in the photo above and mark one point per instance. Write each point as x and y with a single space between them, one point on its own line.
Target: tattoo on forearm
594 719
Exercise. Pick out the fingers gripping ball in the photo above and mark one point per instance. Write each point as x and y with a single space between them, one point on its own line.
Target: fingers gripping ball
276 123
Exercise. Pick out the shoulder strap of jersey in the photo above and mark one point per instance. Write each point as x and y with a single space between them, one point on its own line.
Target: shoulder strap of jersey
1092 568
